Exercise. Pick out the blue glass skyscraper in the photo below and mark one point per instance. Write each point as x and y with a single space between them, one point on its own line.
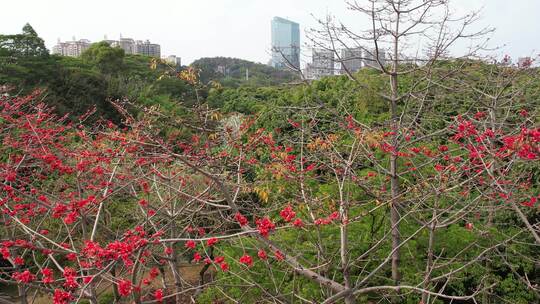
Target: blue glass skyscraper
285 43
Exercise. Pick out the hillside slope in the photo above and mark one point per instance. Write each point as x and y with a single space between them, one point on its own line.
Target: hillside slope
232 72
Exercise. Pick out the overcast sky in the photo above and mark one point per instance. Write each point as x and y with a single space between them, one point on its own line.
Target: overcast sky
234 28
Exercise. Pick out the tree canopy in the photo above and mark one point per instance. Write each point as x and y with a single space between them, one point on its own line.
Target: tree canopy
107 59
26 44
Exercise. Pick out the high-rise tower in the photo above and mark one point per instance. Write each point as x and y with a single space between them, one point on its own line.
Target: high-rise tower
285 43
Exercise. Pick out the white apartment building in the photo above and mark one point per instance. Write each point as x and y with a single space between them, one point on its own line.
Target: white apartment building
130 46
147 48
322 64
127 44
354 59
173 60
72 48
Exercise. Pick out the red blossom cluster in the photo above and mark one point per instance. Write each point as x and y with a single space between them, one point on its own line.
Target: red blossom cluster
189 244
327 220
24 277
70 276
287 214
531 202
220 260
247 260
262 254
61 297
212 241
47 275
5 247
279 255
158 295
125 287
197 257
265 226
154 273
124 249
526 144
242 220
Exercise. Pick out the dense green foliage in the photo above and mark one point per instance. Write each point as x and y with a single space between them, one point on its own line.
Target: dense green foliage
106 59
25 44
75 86
330 100
231 72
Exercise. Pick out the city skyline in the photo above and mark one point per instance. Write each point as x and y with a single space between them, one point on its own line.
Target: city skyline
200 29
75 48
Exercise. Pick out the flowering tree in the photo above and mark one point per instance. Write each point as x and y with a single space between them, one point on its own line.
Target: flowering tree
412 206
63 186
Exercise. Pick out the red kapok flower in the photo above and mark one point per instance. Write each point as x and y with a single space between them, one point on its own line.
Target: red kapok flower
212 241
219 259
242 220
158 295
262 254
197 257
443 148
298 223
311 167
479 115
224 266
24 277
190 244
154 272
47 275
61 297
124 287
18 261
287 214
265 225
5 252
333 216
530 203
71 278
279 255
247 260
71 217
87 279
143 203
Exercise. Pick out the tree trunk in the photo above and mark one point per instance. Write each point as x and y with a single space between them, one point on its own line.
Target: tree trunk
429 262
344 250
114 286
22 294
394 180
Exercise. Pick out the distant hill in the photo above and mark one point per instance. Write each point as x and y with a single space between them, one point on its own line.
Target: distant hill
231 72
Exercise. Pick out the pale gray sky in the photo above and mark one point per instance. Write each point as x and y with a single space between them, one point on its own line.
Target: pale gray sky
234 28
